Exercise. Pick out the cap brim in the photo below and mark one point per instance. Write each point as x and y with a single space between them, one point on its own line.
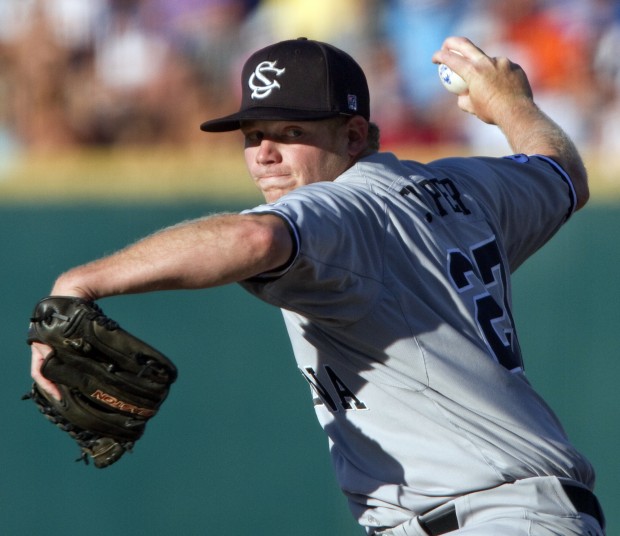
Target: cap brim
233 121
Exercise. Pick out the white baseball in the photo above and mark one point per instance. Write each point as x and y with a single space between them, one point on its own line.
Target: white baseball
451 81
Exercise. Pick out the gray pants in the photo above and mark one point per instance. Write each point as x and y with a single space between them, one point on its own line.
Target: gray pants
531 507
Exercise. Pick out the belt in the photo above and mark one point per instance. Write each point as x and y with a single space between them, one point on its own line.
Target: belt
442 521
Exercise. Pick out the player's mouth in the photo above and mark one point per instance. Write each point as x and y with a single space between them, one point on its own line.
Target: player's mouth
273 178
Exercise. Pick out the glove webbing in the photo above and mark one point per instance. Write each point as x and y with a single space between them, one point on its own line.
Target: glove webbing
86 440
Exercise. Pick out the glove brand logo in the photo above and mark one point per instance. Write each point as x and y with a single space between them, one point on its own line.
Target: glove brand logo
260 84
120 405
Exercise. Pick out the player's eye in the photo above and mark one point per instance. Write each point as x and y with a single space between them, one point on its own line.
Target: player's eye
253 137
293 133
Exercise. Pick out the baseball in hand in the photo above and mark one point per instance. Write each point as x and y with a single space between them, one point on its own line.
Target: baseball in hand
451 81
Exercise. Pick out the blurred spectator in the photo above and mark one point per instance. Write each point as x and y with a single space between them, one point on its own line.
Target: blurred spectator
35 65
118 72
112 72
129 65
414 30
206 33
607 67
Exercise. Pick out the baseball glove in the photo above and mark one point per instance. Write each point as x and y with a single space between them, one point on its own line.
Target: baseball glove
111 382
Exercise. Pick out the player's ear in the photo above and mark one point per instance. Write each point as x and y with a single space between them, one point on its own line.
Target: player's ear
357 131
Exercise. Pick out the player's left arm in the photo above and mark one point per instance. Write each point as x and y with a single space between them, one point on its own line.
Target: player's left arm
499 93
201 253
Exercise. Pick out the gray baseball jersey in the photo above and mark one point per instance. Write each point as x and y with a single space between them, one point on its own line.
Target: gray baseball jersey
398 307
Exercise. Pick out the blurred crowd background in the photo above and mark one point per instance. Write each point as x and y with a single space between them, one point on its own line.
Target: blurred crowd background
104 73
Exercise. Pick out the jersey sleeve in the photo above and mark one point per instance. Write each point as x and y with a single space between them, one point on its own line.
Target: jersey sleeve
526 198
335 273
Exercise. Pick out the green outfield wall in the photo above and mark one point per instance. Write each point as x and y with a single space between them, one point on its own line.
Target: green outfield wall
236 449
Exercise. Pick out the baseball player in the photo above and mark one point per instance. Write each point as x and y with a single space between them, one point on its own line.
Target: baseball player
394 282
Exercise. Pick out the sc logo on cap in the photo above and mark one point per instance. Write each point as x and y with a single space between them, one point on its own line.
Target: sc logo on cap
261 85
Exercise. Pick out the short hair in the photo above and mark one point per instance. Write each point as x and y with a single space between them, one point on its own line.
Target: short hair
374 137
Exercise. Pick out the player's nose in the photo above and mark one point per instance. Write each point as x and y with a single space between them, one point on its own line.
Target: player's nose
268 152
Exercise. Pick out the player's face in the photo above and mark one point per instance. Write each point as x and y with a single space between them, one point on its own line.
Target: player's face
282 155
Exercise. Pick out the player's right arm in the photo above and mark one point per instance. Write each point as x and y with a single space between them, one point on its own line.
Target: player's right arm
499 93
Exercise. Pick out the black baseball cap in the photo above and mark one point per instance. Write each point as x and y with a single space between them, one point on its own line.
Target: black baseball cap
298 80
